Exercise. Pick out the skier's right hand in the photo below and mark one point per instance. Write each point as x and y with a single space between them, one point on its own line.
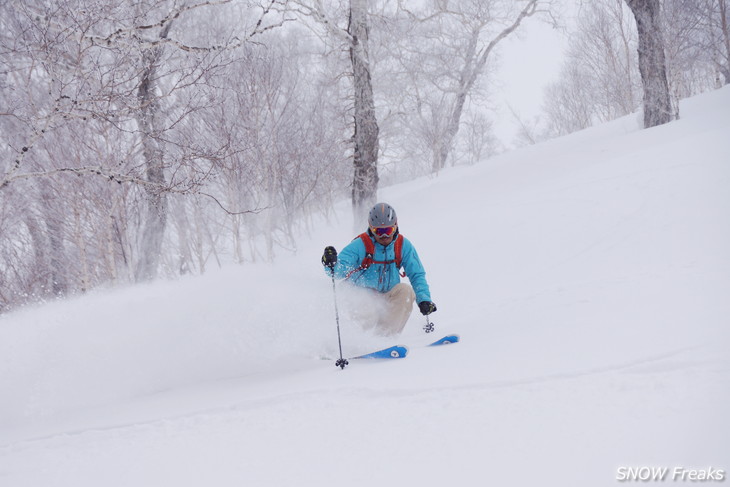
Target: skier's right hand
329 258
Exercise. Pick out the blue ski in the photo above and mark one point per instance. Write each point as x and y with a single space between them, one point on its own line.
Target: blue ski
445 340
398 351
401 351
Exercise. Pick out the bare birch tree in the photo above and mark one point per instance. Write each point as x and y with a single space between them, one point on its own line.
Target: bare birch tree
710 31
95 97
150 125
599 79
704 27
439 54
652 62
719 20
355 38
365 137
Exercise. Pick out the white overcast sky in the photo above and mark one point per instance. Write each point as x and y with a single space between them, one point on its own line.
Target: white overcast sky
528 62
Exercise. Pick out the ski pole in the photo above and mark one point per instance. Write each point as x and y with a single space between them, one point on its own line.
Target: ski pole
341 362
429 326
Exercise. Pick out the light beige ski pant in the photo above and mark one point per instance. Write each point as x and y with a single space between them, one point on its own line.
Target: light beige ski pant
387 312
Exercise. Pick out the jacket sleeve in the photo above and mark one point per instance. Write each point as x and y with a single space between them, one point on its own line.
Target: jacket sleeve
348 259
415 271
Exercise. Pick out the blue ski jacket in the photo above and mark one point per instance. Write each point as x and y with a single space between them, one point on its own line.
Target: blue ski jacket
382 277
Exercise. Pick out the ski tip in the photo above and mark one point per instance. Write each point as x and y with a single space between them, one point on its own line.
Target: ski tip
398 351
448 339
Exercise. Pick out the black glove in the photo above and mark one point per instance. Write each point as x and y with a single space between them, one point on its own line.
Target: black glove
329 258
426 307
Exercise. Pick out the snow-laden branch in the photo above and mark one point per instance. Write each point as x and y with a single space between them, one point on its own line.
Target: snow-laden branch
316 10
191 188
236 42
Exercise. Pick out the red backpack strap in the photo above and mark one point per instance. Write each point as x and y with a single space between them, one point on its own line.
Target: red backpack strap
369 245
369 249
399 254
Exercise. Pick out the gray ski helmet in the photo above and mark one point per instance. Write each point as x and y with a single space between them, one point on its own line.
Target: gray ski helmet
382 215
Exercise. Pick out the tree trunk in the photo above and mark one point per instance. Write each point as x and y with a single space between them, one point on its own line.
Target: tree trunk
109 253
467 78
365 180
40 269
724 64
652 64
83 254
55 222
155 216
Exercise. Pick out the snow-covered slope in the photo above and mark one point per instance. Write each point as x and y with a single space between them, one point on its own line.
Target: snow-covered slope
588 277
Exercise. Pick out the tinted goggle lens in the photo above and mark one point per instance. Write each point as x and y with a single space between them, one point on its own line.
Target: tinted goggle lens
384 231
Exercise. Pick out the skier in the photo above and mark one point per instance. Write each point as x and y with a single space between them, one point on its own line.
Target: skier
372 261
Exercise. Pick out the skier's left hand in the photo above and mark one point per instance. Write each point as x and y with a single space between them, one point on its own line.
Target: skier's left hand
426 307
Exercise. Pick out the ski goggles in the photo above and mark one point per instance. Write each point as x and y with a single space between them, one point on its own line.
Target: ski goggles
384 231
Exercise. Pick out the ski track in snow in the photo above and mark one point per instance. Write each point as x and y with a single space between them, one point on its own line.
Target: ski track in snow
663 363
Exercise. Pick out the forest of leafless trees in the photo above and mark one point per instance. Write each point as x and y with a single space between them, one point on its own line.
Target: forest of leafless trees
154 138
601 79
